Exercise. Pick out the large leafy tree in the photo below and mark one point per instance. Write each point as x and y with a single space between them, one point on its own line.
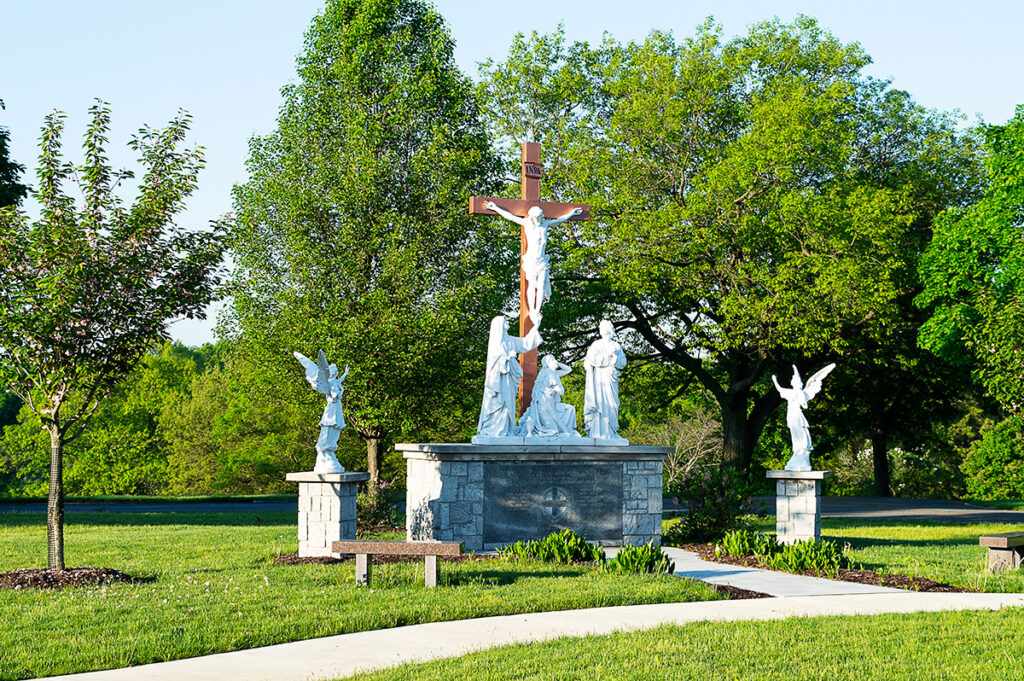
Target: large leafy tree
85 292
754 199
973 273
352 233
12 191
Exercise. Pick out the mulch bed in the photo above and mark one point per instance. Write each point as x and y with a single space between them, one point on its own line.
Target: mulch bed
45 578
734 593
707 552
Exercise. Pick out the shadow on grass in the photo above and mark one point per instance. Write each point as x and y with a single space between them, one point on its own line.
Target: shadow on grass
503 577
209 518
863 542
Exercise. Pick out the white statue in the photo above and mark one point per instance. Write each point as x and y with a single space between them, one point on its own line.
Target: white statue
325 380
547 416
498 410
797 397
535 260
604 363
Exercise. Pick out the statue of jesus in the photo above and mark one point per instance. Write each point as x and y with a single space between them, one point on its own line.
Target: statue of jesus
535 260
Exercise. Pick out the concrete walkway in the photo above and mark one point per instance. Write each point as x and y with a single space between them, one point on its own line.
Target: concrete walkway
345 655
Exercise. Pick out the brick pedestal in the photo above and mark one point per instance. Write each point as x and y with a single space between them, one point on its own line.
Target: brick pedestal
797 504
327 509
488 496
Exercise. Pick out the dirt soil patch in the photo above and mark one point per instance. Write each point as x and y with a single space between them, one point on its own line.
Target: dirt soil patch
734 593
45 578
707 552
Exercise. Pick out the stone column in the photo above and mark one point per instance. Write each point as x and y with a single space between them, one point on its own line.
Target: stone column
327 509
797 504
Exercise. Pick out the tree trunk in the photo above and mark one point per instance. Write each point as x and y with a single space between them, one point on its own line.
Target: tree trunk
880 456
374 455
737 449
55 503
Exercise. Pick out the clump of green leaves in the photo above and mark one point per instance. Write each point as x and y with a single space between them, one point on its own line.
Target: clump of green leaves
563 547
994 466
718 500
375 512
640 560
823 557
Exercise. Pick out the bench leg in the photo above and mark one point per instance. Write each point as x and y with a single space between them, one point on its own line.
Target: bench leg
1001 559
430 571
363 565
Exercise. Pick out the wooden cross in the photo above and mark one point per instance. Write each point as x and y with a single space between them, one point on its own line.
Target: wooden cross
530 196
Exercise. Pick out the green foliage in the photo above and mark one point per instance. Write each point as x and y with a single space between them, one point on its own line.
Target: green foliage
994 466
352 234
823 557
973 273
752 199
718 500
12 191
565 547
375 511
641 560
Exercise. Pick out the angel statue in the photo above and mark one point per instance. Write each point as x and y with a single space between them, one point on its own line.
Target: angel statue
325 380
797 397
546 415
535 260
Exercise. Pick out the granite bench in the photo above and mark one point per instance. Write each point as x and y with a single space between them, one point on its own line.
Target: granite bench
1005 550
430 550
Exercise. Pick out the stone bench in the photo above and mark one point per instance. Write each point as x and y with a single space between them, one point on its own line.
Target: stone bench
1005 550
430 550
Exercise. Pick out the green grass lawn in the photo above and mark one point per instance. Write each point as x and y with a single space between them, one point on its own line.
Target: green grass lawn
957 645
150 498
1005 504
947 553
217 589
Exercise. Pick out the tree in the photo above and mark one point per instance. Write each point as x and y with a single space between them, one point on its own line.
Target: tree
84 293
352 233
11 190
973 273
751 198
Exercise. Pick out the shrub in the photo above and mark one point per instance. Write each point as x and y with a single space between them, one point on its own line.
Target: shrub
637 560
746 543
563 547
374 510
718 501
994 466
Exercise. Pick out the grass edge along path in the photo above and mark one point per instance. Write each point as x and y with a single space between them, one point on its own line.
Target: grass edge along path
888 647
217 589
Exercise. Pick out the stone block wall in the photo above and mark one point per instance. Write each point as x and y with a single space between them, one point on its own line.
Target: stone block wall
798 505
327 509
445 488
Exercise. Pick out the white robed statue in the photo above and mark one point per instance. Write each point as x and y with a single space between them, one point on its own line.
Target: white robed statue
796 398
605 361
325 380
498 410
535 260
547 416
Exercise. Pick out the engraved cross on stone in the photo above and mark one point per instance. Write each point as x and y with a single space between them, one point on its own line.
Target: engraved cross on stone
532 171
555 501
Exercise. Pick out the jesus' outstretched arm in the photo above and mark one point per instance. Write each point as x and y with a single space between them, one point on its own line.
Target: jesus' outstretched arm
491 205
568 216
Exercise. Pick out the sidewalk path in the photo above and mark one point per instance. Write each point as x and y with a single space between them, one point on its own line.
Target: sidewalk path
345 655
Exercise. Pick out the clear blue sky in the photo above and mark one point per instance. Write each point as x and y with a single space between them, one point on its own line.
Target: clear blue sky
224 61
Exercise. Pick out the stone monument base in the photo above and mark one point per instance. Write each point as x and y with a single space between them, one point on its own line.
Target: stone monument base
489 496
327 509
797 504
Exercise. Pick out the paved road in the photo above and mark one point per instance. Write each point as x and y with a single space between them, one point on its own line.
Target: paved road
156 506
832 507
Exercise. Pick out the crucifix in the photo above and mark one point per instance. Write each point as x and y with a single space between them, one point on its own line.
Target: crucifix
529 212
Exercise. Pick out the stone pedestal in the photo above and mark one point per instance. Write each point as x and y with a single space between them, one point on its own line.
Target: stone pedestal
327 509
488 496
797 504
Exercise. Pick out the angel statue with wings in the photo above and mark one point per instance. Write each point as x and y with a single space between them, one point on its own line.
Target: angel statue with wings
325 380
797 397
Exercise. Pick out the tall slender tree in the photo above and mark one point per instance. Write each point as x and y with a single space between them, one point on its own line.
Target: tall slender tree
84 292
352 233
